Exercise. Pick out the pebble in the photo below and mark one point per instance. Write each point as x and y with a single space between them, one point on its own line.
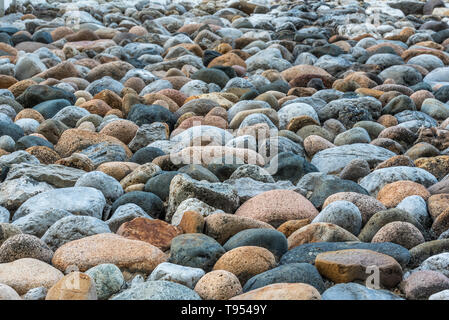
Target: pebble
420 285
62 290
218 285
158 290
341 213
186 276
28 273
108 280
355 291
128 146
88 252
281 291
348 265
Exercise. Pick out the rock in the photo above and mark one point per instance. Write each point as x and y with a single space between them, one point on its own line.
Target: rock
417 207
4 215
393 193
333 160
355 291
348 265
65 289
148 201
367 205
183 187
281 291
8 230
319 187
24 246
84 201
8 293
290 273
129 255
27 66
27 273
246 261
56 175
13 193
192 204
404 75
307 253
72 228
110 188
421 285
125 213
341 213
108 279
319 232
222 226
438 262
402 233
381 177
156 232
272 240
195 250
218 285
271 207
141 174
158 290
427 249
355 170
186 276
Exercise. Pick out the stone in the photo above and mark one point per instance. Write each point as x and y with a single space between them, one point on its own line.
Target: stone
222 226
156 232
341 213
108 280
347 265
281 291
149 202
132 256
420 285
273 207
24 246
27 273
307 253
84 201
195 250
289 273
8 293
355 291
417 207
218 285
377 179
158 290
272 240
186 276
72 228
333 160
183 187
381 218
246 262
319 186
402 233
319 232
393 193
110 187
64 288
13 193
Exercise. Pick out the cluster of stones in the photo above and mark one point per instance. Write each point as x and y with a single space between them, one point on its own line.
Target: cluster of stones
224 150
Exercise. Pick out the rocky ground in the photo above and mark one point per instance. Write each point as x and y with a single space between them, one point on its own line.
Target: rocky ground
224 150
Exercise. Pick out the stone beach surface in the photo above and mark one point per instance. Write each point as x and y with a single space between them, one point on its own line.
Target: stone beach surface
224 150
